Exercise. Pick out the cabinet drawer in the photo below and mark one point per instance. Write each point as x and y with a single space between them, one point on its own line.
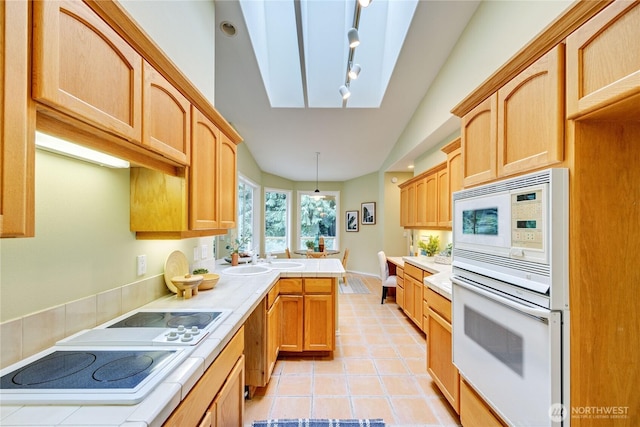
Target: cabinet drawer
318 286
290 286
400 282
400 272
413 271
438 303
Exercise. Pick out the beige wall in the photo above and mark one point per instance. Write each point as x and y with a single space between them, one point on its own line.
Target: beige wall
185 31
83 245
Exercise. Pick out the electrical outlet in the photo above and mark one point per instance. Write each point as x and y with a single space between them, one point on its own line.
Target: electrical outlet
196 253
204 251
142 264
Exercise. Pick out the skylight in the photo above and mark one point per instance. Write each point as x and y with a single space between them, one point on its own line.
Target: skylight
310 76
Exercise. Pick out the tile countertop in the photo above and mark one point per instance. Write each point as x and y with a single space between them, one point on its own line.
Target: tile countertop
440 280
241 294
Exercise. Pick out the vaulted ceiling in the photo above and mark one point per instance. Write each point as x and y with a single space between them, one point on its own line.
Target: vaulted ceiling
278 82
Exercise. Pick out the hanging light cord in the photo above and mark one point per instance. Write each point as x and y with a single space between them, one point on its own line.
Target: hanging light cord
317 156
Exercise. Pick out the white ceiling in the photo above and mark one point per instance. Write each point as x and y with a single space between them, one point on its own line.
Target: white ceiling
352 141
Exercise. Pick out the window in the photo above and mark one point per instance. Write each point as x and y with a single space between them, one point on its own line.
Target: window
277 204
317 217
246 223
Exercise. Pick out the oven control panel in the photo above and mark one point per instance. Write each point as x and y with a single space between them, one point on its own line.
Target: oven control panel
527 219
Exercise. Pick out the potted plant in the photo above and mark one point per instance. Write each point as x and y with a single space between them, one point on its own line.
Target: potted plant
309 244
433 245
235 245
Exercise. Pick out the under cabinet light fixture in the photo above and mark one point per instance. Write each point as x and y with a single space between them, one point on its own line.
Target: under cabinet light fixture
66 148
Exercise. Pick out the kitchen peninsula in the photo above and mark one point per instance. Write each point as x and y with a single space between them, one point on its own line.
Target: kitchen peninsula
178 399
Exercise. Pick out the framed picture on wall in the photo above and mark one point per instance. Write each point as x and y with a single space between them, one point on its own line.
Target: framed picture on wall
352 221
369 213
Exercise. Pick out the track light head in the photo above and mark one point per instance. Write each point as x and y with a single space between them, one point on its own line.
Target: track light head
364 3
354 39
354 71
345 92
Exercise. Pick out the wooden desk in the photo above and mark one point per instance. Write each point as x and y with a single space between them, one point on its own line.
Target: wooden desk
393 262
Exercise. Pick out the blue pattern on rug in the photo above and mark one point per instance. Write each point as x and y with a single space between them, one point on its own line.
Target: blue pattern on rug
306 422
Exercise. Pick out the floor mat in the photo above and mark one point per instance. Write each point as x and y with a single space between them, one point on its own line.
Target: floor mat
305 422
354 286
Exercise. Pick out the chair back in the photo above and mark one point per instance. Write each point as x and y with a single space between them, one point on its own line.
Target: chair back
345 258
384 267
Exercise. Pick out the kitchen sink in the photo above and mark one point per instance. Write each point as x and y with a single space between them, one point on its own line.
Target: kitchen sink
285 265
246 270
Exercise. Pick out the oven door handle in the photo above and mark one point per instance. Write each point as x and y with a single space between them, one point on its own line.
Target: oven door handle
536 312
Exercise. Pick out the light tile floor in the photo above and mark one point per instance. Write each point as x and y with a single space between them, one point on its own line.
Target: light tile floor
378 371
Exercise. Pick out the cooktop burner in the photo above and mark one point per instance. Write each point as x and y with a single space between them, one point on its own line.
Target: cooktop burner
169 319
87 370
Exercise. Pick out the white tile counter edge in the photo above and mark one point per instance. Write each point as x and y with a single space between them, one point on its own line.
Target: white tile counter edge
161 402
439 281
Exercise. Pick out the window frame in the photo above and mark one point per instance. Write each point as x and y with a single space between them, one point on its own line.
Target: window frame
288 227
312 193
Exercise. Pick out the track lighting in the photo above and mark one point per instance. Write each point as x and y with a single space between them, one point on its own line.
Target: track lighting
354 71
364 3
345 92
354 39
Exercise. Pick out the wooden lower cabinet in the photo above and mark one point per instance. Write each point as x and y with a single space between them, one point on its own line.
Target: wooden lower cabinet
413 294
292 309
218 396
228 407
473 411
308 317
318 324
400 289
439 350
273 335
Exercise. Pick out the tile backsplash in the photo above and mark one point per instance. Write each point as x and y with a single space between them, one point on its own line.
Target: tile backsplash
28 335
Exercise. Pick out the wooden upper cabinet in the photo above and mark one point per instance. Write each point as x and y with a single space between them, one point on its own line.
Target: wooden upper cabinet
214 183
454 181
603 62
17 124
166 128
408 204
420 215
431 205
444 196
228 182
204 212
83 68
531 116
478 135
